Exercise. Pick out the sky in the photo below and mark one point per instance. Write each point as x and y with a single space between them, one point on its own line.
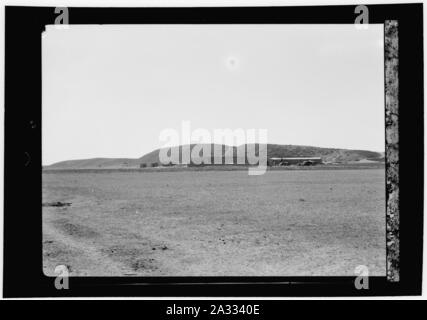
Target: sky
111 90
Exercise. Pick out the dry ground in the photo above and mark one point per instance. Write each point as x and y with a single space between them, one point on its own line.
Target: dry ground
219 223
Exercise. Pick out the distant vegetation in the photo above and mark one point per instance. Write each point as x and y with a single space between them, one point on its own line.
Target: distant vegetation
273 150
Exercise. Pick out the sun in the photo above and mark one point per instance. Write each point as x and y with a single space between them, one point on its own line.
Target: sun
232 63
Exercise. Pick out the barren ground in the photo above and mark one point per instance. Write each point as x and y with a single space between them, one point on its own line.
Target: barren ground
219 223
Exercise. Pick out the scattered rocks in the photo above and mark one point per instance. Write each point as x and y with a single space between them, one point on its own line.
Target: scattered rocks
144 264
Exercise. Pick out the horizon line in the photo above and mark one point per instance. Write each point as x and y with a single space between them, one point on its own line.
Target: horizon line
192 144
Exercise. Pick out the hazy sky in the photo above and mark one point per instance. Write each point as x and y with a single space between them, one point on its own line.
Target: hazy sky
108 91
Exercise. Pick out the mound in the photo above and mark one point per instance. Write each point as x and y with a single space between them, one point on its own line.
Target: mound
273 150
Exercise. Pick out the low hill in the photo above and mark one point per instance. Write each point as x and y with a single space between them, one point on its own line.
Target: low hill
273 150
102 163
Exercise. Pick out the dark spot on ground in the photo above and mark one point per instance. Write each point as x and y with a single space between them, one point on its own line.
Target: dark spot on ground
56 204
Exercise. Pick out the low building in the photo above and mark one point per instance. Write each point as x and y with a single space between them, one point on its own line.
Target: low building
275 161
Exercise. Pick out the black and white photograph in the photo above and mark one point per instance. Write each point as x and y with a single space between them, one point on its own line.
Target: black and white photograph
213 150
223 146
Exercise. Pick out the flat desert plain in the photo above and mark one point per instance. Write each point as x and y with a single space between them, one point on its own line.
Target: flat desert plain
214 223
